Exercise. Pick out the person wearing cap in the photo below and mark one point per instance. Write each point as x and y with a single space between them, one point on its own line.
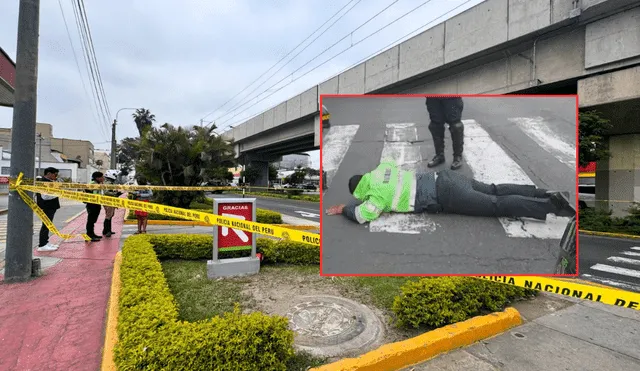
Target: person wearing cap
109 211
391 189
48 204
93 210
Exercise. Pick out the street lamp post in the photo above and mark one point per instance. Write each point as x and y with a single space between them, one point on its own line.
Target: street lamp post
113 138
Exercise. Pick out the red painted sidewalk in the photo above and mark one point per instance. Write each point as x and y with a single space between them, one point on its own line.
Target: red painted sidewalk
56 322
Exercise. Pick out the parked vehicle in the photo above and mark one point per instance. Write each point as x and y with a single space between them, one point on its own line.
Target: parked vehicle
309 186
587 186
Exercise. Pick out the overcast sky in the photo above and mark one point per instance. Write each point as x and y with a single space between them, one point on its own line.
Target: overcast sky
183 59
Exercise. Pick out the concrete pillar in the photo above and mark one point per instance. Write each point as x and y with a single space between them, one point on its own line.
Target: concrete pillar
618 178
263 178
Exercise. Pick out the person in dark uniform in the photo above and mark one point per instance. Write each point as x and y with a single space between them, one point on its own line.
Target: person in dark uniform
446 110
391 189
48 204
93 210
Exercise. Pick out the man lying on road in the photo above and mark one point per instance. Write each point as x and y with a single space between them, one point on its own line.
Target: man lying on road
391 189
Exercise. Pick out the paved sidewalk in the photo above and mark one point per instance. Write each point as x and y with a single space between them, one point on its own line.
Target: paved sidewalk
56 322
576 335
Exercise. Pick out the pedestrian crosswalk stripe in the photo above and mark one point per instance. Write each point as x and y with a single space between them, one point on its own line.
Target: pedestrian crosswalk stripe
335 144
491 164
635 248
539 131
630 253
616 270
399 147
617 259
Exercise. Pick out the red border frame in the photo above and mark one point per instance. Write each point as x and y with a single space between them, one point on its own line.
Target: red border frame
453 95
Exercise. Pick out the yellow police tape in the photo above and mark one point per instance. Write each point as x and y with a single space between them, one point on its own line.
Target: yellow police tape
63 185
611 296
208 218
45 219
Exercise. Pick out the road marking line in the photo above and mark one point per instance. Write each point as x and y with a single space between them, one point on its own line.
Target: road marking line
616 270
398 148
612 282
635 248
630 253
539 131
617 259
334 147
491 164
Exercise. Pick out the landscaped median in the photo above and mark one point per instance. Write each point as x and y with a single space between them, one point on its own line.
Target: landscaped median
170 316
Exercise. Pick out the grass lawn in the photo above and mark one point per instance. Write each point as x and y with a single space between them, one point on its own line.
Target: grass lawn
272 290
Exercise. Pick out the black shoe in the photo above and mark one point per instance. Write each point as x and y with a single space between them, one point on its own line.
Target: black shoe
457 163
563 207
108 234
437 160
95 239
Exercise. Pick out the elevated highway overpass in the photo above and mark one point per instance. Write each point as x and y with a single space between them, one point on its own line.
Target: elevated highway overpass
588 47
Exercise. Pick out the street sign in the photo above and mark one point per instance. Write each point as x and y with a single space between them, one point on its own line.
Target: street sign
230 239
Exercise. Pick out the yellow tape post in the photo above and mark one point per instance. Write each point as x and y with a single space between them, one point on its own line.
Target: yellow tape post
208 218
611 296
41 214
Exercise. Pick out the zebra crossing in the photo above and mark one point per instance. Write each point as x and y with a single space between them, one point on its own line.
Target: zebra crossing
625 267
483 154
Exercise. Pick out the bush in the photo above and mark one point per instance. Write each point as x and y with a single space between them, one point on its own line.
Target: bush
151 337
268 217
601 221
440 301
196 247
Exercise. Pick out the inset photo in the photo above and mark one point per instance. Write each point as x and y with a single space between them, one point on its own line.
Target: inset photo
439 185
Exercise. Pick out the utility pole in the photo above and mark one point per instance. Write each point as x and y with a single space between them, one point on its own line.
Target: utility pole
40 138
19 252
113 145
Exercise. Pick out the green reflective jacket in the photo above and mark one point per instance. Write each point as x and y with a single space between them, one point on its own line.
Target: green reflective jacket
385 189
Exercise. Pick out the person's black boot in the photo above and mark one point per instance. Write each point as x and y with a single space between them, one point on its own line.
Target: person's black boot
106 229
438 159
457 139
562 205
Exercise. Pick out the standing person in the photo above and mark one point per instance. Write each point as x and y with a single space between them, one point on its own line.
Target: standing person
446 110
391 189
143 195
93 210
48 204
109 211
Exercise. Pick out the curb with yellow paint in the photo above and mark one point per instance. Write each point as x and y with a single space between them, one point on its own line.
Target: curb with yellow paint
194 224
396 356
609 234
111 334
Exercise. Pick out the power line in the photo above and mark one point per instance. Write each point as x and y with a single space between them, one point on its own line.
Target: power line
95 58
84 86
296 47
87 58
323 63
319 54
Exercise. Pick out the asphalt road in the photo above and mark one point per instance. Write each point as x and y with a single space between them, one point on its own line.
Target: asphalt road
299 209
610 261
507 140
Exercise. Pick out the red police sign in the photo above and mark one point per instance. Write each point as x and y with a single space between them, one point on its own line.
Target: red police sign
229 237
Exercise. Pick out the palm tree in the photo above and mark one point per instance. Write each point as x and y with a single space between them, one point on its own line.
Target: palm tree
144 119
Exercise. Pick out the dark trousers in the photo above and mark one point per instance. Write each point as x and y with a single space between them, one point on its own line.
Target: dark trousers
44 230
458 194
449 111
93 212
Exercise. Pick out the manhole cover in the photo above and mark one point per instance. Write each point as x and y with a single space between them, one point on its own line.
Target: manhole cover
329 326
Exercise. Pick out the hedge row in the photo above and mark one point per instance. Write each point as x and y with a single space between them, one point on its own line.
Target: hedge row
440 301
151 337
262 215
199 246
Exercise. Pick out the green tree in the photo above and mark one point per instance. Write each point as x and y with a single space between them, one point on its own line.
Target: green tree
251 173
298 176
127 154
144 120
177 156
592 131
273 173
